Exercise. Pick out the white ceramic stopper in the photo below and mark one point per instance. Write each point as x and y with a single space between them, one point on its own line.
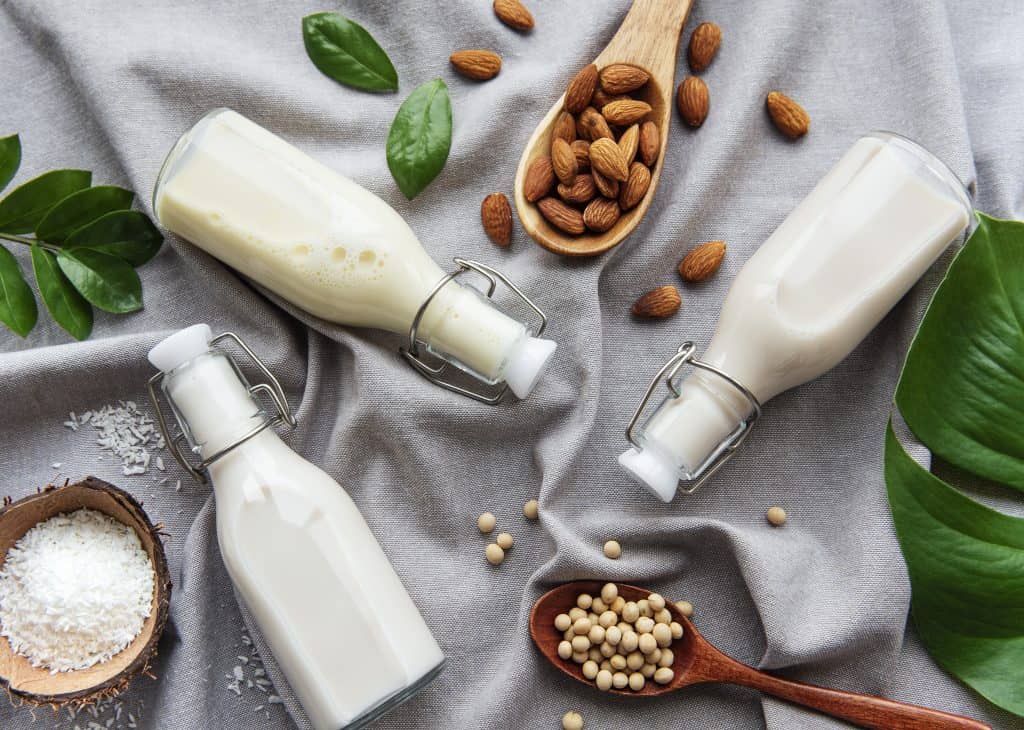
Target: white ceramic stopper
526 363
181 347
652 470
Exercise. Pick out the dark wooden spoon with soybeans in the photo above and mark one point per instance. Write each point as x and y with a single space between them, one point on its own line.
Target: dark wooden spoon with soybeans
696 661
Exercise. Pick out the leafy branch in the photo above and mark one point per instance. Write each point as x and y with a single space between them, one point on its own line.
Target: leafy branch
85 242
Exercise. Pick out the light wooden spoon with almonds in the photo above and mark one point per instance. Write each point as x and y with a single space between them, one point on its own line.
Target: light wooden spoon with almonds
648 38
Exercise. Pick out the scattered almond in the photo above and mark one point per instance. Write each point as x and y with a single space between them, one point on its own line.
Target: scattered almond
476 64
540 178
594 126
581 148
496 216
625 112
650 143
791 118
704 42
580 191
563 160
608 187
513 14
693 101
607 159
561 216
601 214
635 187
621 78
661 302
565 127
628 143
580 89
702 262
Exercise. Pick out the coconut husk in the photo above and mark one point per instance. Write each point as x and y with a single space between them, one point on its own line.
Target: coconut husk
106 679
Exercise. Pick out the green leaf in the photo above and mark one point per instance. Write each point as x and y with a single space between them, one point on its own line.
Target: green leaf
67 307
80 208
969 348
25 206
105 281
17 305
10 158
345 52
966 565
420 138
126 234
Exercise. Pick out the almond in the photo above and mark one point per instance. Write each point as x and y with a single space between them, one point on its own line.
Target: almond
540 178
513 14
621 78
496 216
561 216
479 65
791 118
660 302
704 42
607 186
635 187
607 159
563 160
593 125
564 127
602 97
580 89
601 214
580 191
581 148
628 143
702 262
625 112
693 101
650 143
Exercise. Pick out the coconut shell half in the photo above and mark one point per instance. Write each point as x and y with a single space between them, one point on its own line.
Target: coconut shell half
106 679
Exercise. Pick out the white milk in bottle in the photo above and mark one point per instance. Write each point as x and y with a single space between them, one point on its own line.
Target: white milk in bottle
330 246
805 299
336 616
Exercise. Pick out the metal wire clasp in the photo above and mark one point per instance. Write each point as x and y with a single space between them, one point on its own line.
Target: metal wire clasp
176 444
435 374
685 355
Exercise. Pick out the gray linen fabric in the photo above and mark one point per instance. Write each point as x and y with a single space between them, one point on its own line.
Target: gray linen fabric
110 85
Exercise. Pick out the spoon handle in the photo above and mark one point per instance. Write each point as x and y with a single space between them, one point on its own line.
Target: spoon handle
862 710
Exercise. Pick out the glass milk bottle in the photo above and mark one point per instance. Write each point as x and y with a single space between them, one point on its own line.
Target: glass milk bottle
830 272
336 617
338 251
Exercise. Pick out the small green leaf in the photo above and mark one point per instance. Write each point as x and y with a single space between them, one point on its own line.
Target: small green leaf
10 158
25 206
966 565
67 307
81 208
420 138
345 52
105 281
17 305
126 234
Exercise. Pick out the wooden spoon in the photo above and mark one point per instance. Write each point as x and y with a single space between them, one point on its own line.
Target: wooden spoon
648 38
697 661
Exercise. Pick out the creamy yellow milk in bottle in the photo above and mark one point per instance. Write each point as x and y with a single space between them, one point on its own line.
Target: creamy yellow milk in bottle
336 616
804 300
330 246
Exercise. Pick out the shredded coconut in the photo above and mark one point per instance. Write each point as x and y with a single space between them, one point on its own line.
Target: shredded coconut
124 430
75 590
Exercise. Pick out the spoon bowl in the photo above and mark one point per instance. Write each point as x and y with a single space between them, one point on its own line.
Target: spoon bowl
697 661
649 39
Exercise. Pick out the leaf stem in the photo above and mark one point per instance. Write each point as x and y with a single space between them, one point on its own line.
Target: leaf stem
25 241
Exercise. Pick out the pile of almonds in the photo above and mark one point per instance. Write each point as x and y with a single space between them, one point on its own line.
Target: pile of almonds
602 150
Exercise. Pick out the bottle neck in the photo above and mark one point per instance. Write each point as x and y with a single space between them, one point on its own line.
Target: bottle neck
212 402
